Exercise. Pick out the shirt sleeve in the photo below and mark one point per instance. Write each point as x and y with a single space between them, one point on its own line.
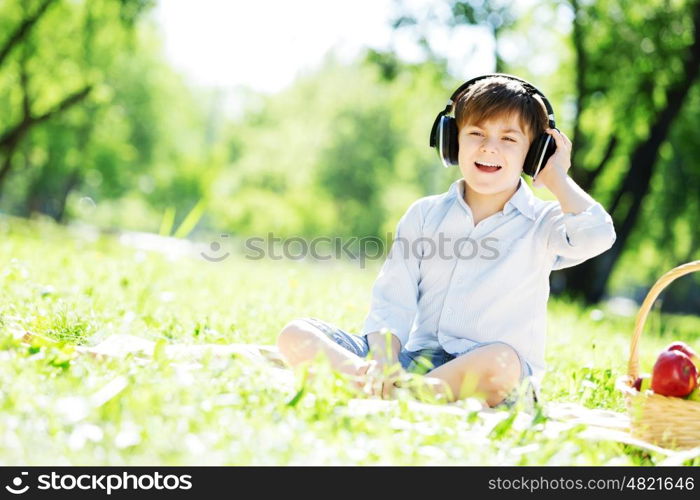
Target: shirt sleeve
395 291
575 238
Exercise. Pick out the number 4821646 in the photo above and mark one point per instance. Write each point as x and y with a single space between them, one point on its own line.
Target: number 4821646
660 483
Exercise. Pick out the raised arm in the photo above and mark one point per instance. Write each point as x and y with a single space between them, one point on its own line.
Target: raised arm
579 228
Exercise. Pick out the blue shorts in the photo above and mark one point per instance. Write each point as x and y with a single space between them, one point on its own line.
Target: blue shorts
424 360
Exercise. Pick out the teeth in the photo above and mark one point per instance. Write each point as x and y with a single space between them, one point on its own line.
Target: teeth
487 164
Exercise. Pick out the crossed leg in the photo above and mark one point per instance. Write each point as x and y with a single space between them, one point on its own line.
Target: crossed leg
299 341
491 371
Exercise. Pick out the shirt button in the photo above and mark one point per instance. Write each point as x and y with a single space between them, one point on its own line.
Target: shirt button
449 310
460 281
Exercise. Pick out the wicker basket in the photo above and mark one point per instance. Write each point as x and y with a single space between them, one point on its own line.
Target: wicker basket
665 421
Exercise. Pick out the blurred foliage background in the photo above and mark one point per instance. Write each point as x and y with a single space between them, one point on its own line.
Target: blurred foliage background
99 129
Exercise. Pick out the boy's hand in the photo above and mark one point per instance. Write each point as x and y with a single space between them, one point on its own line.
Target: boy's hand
383 368
378 377
554 173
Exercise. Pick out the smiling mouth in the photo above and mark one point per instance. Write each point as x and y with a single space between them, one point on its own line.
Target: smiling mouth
487 167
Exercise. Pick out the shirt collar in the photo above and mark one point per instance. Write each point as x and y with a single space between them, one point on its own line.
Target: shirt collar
523 200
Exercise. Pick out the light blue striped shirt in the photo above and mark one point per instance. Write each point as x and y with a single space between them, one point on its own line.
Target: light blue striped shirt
449 283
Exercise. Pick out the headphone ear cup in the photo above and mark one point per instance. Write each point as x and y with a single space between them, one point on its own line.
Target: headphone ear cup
535 160
448 146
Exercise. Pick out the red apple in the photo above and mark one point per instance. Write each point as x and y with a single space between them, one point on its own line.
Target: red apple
685 349
674 374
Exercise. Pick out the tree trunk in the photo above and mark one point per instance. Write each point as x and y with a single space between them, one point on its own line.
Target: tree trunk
589 280
71 183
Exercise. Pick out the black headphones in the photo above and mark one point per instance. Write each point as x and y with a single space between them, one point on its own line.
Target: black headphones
443 135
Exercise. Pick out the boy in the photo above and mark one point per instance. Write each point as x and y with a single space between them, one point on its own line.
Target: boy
474 319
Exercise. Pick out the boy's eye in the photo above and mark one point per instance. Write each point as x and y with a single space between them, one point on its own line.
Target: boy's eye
505 137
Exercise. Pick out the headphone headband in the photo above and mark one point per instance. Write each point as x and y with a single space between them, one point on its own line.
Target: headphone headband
528 86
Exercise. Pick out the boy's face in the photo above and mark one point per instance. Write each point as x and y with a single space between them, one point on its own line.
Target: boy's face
498 141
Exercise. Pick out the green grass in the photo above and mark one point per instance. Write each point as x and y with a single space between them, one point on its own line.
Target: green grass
58 408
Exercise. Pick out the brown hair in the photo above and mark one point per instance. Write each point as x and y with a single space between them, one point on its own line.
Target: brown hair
500 97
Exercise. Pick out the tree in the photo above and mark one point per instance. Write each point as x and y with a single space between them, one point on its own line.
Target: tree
12 136
89 101
651 92
56 49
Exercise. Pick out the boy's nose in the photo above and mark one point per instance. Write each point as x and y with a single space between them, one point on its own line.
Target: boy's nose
488 145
